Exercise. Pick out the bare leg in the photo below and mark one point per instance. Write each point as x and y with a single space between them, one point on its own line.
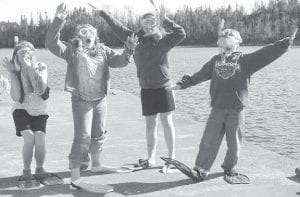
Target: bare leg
27 150
151 136
40 149
169 132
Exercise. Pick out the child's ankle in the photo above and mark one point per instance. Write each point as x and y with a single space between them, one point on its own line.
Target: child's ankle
40 170
27 172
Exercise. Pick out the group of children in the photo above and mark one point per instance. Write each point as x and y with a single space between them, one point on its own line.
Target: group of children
87 79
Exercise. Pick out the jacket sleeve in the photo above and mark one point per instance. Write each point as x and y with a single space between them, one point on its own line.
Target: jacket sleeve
53 42
203 75
15 87
118 29
175 37
264 56
116 59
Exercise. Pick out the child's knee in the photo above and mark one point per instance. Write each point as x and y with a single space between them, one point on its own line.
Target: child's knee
28 136
39 137
97 143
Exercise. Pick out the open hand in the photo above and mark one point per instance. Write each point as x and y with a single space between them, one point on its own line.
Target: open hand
132 41
4 85
7 63
61 11
292 37
221 27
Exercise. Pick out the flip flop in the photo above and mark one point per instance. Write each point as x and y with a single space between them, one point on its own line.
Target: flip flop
49 179
236 178
91 187
194 175
109 169
169 169
142 164
28 183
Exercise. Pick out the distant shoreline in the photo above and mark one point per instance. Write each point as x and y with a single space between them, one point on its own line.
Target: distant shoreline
189 46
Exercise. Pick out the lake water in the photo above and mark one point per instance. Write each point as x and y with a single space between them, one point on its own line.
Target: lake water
273 114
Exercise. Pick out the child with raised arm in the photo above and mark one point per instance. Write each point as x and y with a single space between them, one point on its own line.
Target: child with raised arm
229 73
29 91
87 80
151 59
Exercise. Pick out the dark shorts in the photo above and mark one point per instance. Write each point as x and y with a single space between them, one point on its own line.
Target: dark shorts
157 101
24 121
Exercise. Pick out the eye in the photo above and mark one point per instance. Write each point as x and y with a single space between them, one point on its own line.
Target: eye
83 31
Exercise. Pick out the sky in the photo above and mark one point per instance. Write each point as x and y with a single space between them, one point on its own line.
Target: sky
12 9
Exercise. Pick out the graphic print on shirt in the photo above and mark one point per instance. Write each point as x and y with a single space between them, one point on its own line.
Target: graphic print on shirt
226 70
90 65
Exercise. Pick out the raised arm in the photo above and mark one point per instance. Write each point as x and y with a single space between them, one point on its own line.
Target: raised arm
264 56
119 29
53 42
41 78
116 59
176 36
15 89
203 75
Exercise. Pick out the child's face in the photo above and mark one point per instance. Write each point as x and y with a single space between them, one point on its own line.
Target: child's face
227 45
88 37
25 57
150 27
149 24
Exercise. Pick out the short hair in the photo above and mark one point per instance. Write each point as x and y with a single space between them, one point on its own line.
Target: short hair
22 45
148 14
231 33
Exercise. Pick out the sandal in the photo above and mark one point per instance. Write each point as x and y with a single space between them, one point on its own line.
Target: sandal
142 164
28 182
169 169
233 177
49 179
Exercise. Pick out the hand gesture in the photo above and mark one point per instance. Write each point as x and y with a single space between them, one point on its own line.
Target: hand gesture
292 37
61 11
132 42
4 85
221 27
8 64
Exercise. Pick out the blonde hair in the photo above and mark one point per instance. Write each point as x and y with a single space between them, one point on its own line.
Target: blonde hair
226 33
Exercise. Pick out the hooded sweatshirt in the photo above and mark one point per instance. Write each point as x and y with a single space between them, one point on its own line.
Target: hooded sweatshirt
150 56
230 79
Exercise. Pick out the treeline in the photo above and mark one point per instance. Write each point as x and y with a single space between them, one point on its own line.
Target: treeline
265 24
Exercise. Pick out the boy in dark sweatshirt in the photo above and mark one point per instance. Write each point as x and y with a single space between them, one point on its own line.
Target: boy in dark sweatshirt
230 73
151 59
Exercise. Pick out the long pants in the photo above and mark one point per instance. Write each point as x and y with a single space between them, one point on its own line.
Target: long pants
221 121
89 129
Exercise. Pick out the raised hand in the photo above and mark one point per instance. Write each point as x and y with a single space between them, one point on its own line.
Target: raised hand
292 37
221 27
8 64
132 42
61 11
4 85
